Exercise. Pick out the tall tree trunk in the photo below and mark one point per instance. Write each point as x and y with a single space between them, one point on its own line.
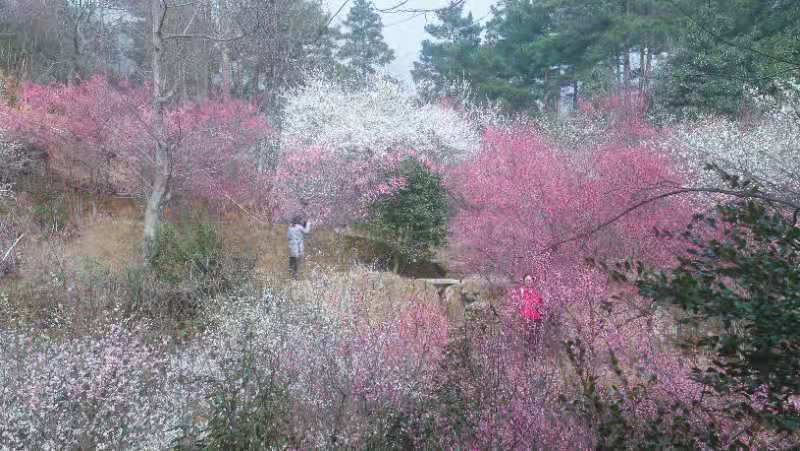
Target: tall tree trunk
626 67
575 95
225 50
226 70
626 55
646 69
77 41
546 99
184 81
159 191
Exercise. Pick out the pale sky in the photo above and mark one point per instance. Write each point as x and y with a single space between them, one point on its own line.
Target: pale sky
404 32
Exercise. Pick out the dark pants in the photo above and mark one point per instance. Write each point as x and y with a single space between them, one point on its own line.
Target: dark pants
294 265
533 333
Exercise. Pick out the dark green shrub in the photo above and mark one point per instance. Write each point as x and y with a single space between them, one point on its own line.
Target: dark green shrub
250 410
738 287
413 221
50 213
196 252
745 279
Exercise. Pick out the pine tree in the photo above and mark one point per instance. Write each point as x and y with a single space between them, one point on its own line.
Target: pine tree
452 56
364 49
726 50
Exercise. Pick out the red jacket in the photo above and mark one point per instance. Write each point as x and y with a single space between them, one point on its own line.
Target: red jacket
529 302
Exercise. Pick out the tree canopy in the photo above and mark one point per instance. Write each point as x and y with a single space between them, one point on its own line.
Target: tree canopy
364 49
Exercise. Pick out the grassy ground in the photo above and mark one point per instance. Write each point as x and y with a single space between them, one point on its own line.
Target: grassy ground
108 232
97 250
113 237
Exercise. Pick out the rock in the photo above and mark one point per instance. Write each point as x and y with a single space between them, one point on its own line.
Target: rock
465 299
454 307
478 307
472 291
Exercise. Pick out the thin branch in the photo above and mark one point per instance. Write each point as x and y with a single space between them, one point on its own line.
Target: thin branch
166 97
399 8
739 194
181 5
191 20
205 37
8 252
393 8
327 25
338 11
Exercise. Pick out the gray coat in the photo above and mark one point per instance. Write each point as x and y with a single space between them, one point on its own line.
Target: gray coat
296 235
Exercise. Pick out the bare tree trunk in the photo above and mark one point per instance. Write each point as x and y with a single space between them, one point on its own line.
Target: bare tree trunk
546 99
626 67
575 95
646 69
184 82
226 70
159 191
76 62
626 55
225 50
77 44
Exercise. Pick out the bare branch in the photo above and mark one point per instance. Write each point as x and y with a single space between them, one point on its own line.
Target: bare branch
191 20
166 97
182 5
399 8
8 252
204 37
338 11
738 194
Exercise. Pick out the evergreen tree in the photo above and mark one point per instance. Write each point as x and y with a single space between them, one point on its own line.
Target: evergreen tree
728 48
413 221
519 78
602 46
740 292
533 48
453 55
364 49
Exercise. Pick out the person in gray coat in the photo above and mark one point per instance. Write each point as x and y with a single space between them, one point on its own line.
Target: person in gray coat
296 235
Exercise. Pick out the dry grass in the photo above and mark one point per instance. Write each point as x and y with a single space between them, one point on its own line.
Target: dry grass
324 248
115 243
104 236
109 230
380 293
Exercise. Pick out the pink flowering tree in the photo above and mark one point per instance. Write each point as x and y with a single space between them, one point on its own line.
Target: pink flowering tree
338 191
526 206
523 202
340 144
101 134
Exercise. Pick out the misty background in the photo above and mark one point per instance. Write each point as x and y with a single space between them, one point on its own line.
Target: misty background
405 31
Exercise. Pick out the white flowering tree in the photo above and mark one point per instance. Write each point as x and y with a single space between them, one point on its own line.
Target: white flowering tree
339 140
5 191
374 119
766 152
12 160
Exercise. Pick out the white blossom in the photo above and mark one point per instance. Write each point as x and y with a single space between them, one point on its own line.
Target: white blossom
13 160
766 152
122 388
371 120
5 191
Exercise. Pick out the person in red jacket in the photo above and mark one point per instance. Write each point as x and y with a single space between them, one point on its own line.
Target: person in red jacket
529 303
